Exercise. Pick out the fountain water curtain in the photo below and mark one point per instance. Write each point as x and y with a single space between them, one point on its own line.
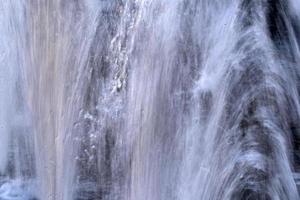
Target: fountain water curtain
149 99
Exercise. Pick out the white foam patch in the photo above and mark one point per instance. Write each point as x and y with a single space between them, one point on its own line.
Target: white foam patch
17 190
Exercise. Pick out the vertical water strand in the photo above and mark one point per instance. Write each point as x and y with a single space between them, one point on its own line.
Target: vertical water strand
204 107
152 115
42 94
8 79
293 10
59 32
17 145
78 33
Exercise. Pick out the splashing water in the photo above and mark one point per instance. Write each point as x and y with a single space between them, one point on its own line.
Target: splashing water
149 99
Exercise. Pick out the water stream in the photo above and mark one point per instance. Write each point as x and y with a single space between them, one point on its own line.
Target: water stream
149 100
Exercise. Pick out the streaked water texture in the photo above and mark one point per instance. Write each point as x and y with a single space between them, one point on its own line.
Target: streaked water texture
149 99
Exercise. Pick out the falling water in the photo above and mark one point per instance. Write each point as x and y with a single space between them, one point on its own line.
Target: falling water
149 100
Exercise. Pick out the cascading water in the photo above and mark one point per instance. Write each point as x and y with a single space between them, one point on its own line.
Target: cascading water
17 168
149 99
